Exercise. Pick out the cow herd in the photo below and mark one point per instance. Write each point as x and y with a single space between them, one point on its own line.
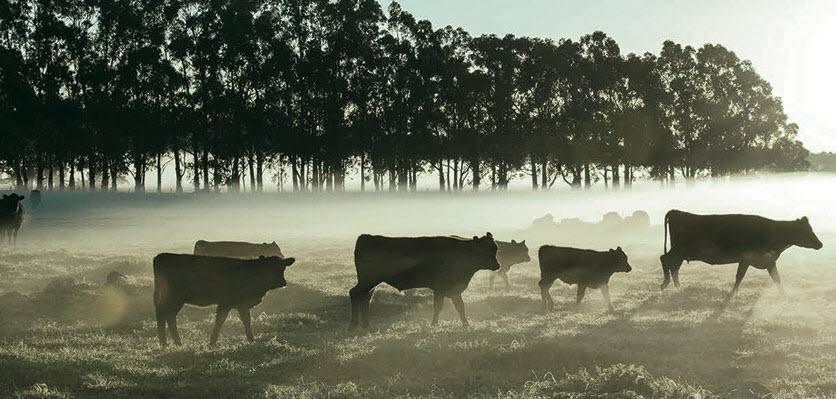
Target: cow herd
237 275
234 275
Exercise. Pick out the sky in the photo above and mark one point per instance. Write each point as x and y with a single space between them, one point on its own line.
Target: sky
792 44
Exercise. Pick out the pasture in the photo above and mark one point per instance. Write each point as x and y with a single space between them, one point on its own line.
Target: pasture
65 333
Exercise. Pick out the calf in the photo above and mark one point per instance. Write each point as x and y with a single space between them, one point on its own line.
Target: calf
747 240
235 249
204 280
509 254
584 267
11 216
443 264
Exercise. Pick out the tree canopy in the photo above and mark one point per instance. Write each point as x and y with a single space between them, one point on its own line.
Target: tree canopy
307 92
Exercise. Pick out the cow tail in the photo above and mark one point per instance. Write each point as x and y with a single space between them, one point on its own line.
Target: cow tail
665 248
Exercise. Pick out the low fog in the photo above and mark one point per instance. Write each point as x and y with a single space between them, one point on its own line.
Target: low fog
113 221
71 327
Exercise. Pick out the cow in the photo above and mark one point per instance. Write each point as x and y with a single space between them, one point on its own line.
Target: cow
207 280
584 267
509 254
444 264
235 249
747 240
11 216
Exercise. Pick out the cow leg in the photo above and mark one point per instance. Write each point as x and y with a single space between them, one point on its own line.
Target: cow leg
741 272
15 233
220 318
548 302
358 295
581 293
161 318
670 266
364 308
773 272
459 304
438 304
505 277
172 327
605 291
490 281
244 315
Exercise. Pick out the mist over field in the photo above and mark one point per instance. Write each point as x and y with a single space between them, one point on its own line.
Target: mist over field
64 332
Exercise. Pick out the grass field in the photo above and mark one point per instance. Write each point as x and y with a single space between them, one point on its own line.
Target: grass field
65 333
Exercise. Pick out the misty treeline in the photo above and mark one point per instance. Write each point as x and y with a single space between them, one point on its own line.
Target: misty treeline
302 93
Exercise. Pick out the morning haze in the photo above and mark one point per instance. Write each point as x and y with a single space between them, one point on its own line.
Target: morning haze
319 199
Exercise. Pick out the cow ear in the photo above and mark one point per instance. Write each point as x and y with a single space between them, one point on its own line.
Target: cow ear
522 242
22 197
804 219
274 243
261 257
513 241
618 249
5 196
489 235
289 261
475 238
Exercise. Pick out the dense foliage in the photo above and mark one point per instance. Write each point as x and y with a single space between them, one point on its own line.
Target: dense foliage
308 91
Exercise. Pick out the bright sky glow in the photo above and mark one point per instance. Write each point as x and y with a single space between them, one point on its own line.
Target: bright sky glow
791 43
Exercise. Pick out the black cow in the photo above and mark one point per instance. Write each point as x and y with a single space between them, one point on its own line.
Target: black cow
509 254
443 264
584 267
236 249
747 240
11 216
206 280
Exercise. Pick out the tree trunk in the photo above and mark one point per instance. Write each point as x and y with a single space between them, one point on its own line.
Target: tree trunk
51 176
91 172
178 172
392 184
477 174
455 175
440 166
105 175
113 177
259 170
616 179
493 176
533 173
251 168
363 172
39 171
205 165
61 175
72 175
587 179
159 173
628 181
196 166
544 181
81 173
18 174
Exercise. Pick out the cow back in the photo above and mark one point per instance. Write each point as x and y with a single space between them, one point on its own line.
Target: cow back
235 249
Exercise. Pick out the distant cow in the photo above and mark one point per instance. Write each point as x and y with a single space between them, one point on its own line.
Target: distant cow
584 267
206 280
11 216
747 240
509 254
235 249
443 264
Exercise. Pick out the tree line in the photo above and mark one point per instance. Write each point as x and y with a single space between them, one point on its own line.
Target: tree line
302 93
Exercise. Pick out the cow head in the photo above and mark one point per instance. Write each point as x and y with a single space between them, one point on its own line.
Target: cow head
271 249
803 235
275 267
516 252
10 202
619 261
484 253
